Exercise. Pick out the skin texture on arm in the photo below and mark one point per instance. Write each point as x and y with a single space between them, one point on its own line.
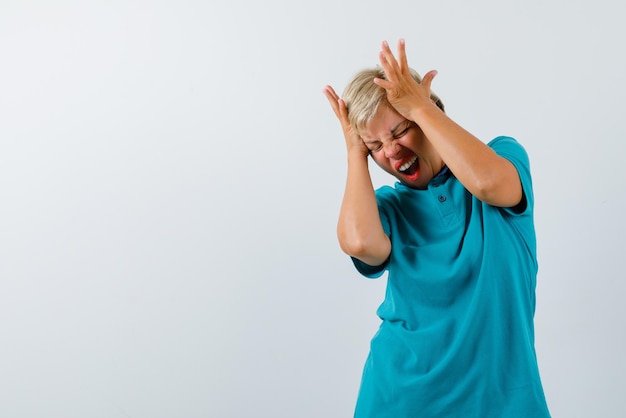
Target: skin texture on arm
359 230
489 177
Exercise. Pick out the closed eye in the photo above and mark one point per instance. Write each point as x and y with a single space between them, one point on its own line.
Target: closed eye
375 147
402 132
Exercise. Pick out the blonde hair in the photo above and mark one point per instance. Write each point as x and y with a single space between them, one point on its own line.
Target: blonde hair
363 97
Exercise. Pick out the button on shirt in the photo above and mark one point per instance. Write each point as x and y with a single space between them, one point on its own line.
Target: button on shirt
457 334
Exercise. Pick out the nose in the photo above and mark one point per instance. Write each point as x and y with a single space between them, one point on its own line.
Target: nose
391 149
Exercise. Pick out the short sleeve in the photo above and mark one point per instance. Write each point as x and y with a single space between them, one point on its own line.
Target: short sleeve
366 270
510 149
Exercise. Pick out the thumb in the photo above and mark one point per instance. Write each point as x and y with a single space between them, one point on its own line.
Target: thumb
428 79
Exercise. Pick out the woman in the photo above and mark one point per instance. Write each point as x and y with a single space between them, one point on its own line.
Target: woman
456 236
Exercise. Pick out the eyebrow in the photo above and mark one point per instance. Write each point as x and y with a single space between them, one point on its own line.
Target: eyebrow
395 128
392 131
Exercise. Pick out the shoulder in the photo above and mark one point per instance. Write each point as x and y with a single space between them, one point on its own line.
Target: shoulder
386 195
399 195
509 148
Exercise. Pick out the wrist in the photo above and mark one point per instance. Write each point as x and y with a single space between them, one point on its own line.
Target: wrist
420 113
358 152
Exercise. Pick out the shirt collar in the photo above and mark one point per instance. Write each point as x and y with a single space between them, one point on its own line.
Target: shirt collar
441 177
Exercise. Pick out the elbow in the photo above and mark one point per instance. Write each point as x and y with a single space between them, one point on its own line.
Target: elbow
497 192
485 188
365 248
497 184
352 246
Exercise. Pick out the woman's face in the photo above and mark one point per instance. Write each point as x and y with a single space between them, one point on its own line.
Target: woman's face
400 148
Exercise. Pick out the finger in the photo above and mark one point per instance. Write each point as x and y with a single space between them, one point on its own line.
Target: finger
343 112
386 84
330 93
428 79
391 73
343 115
384 63
402 55
333 100
387 51
387 60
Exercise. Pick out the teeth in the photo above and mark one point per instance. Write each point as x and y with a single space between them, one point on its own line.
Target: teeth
408 164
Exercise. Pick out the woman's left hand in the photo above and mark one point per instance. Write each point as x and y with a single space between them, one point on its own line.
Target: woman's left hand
404 93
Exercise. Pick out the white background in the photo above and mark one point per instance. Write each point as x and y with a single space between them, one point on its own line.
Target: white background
171 174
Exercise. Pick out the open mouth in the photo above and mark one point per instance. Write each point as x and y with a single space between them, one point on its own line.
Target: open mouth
411 168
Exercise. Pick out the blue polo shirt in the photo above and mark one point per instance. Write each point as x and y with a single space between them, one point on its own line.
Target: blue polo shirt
457 335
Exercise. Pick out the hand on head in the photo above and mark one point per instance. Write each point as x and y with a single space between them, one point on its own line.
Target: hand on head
353 140
403 92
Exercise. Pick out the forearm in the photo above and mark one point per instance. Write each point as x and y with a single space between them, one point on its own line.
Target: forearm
485 174
359 229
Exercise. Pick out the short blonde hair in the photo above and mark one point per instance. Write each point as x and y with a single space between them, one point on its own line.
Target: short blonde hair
363 97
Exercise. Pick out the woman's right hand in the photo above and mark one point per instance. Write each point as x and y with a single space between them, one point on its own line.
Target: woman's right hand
353 141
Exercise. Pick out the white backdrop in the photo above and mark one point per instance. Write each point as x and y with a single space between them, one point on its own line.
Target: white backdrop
171 174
